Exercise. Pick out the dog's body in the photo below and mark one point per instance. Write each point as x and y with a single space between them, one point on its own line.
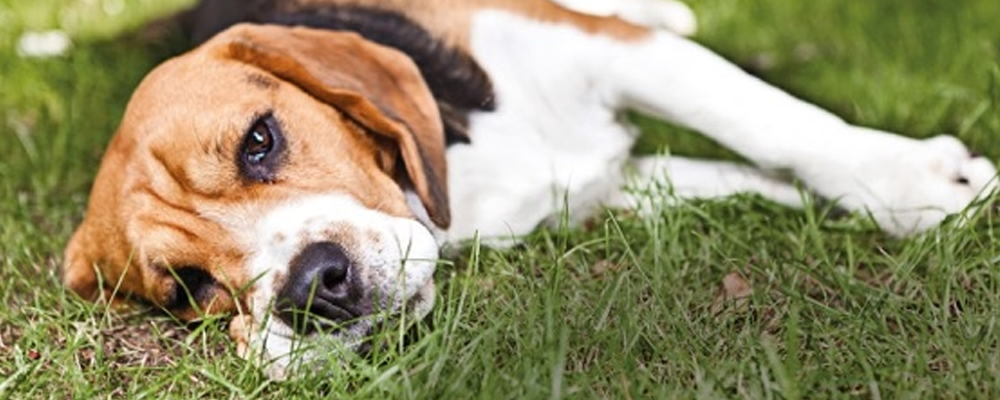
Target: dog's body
276 170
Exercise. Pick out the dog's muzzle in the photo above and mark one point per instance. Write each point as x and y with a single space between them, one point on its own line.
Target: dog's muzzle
328 272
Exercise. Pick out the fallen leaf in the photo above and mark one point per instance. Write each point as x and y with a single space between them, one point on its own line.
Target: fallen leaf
602 267
734 287
733 292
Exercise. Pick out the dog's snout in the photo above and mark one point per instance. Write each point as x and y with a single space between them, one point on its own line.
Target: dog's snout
322 290
324 262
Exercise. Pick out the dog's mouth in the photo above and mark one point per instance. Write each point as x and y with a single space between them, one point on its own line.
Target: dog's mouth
316 341
372 328
323 317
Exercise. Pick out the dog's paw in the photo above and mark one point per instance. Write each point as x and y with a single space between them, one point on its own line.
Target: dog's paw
907 185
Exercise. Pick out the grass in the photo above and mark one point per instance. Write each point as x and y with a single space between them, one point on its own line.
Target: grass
622 308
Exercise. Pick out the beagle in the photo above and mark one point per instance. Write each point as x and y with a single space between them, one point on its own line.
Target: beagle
302 167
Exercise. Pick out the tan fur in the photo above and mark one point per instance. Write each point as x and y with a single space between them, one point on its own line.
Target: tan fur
451 19
169 194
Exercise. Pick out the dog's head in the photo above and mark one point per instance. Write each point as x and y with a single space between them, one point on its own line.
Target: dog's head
294 176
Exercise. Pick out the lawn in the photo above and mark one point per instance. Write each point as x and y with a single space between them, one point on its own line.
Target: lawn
624 307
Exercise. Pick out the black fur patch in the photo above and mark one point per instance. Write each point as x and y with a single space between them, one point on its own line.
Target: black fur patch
458 83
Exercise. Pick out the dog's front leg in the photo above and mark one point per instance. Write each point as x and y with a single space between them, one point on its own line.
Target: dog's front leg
908 185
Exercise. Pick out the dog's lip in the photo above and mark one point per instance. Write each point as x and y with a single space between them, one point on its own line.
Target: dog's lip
315 323
319 327
343 312
325 326
322 326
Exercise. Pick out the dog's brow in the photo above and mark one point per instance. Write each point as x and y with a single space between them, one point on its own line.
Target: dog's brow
261 81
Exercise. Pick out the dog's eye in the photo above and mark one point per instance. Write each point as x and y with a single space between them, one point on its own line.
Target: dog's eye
259 142
260 154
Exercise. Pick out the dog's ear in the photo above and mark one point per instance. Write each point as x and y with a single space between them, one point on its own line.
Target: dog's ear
377 87
77 271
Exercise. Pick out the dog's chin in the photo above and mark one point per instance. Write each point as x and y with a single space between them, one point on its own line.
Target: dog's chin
284 353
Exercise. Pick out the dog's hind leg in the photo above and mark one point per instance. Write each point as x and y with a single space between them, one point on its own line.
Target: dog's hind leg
908 185
652 180
671 15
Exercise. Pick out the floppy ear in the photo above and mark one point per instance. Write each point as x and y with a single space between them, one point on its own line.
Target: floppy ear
378 87
77 271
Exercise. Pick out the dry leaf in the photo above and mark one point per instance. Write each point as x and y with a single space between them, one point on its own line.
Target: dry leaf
734 291
602 267
734 287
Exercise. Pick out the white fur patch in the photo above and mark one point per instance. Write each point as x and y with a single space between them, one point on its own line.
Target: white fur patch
553 142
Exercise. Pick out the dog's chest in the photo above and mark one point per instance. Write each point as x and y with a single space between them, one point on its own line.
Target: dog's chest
552 143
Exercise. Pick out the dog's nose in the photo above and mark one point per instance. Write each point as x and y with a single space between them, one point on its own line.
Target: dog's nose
322 290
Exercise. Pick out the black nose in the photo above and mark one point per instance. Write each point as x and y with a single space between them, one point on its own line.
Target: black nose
322 290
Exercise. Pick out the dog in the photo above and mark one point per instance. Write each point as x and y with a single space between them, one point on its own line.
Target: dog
303 166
